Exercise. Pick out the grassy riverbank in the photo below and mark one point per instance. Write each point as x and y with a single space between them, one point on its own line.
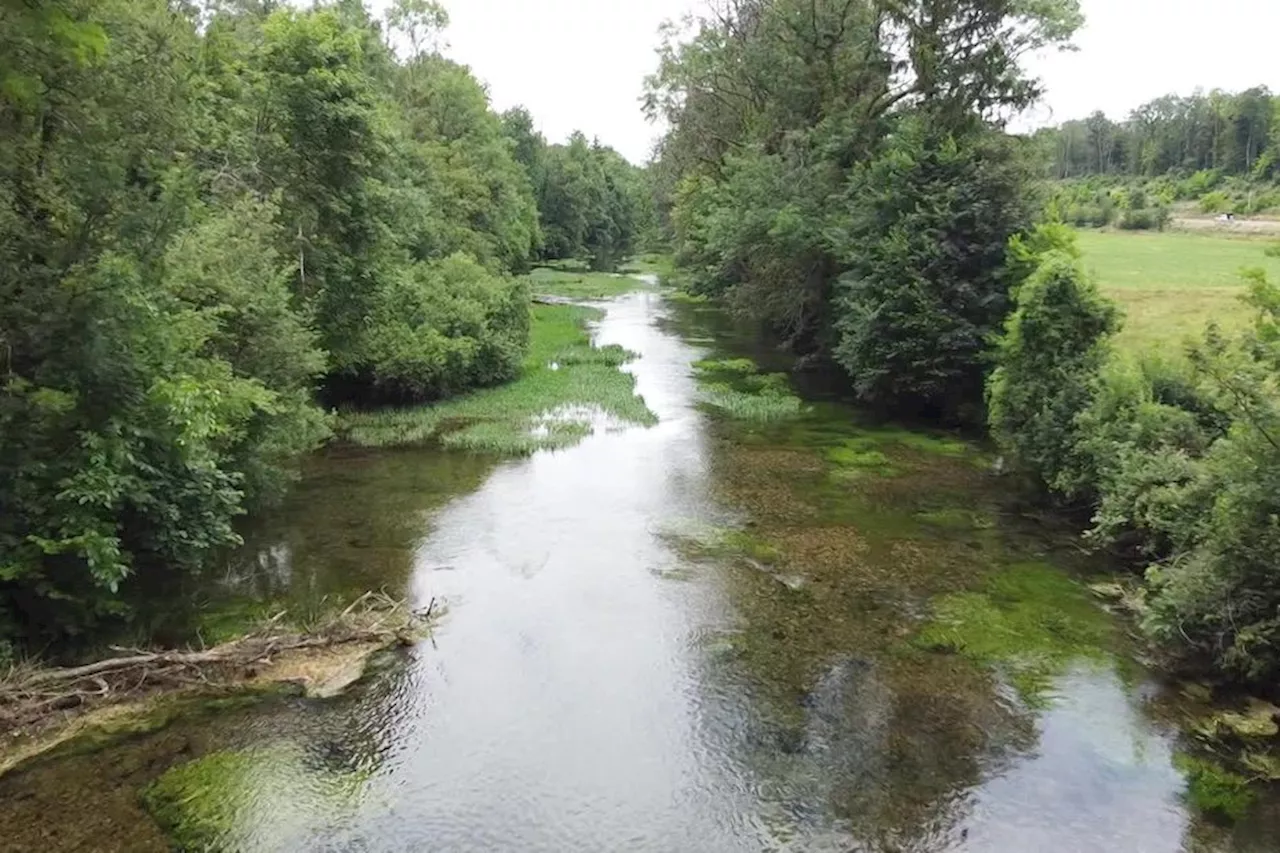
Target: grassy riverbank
566 388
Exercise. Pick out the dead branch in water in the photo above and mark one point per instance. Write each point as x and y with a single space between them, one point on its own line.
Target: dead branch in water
31 698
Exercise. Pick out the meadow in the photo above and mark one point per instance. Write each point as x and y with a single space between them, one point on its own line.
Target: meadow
1171 284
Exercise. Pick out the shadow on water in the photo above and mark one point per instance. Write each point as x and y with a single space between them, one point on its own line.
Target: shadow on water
802 634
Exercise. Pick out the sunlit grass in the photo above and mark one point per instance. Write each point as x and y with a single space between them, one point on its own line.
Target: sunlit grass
562 371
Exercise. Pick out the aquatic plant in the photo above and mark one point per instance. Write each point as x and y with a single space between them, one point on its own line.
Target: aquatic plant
1029 620
563 370
1214 791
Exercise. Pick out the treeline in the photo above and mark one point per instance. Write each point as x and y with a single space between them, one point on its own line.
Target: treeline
1177 462
1232 134
212 220
839 173
593 204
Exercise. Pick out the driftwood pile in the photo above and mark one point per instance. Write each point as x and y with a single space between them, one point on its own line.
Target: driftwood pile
32 698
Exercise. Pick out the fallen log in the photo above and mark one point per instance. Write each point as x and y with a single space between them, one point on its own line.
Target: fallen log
34 699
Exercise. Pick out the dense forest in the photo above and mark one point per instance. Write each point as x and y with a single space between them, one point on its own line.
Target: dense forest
840 174
218 222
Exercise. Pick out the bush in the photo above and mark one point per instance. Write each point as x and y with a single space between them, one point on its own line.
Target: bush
1216 202
1053 346
444 326
1146 219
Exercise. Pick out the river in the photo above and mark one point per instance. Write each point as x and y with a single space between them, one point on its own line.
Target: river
612 675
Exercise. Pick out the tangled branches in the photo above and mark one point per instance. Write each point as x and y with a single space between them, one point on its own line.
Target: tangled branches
34 698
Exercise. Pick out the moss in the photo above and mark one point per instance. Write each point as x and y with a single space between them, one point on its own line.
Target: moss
198 804
1214 791
1030 619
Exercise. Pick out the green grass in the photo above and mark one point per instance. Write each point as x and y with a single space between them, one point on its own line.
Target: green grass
1171 284
581 284
566 383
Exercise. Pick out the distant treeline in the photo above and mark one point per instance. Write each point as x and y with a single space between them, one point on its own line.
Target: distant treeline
1231 134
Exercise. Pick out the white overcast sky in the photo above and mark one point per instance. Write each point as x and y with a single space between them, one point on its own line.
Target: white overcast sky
580 64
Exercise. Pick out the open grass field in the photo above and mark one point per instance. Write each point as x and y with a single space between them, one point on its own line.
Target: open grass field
1171 285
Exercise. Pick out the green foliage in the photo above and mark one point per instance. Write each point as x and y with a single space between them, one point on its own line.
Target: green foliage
926 286
852 194
278 202
1203 138
592 203
445 326
564 387
1054 344
1178 460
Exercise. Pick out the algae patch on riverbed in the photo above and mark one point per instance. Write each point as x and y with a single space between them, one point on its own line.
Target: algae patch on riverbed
1029 620
566 388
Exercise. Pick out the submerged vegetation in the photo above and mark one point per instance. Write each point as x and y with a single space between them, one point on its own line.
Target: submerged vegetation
1030 620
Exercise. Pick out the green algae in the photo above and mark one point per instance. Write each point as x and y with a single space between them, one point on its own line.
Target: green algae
1217 793
1030 620
199 804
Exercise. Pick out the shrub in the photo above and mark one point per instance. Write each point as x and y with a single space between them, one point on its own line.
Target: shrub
1216 202
1054 344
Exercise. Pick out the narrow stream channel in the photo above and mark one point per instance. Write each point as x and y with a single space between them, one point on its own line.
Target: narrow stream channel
611 676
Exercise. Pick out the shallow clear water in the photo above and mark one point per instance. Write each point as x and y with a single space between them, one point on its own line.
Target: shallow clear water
601 682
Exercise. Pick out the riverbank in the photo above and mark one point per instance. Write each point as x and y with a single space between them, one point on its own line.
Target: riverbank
43 709
567 387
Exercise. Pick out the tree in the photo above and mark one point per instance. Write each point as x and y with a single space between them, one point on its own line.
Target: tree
1053 347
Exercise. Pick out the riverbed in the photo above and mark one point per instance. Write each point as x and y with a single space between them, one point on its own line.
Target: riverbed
704 635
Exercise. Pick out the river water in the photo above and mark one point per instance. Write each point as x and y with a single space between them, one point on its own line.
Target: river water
610 676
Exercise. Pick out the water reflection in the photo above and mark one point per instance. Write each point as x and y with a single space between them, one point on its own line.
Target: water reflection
613 675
